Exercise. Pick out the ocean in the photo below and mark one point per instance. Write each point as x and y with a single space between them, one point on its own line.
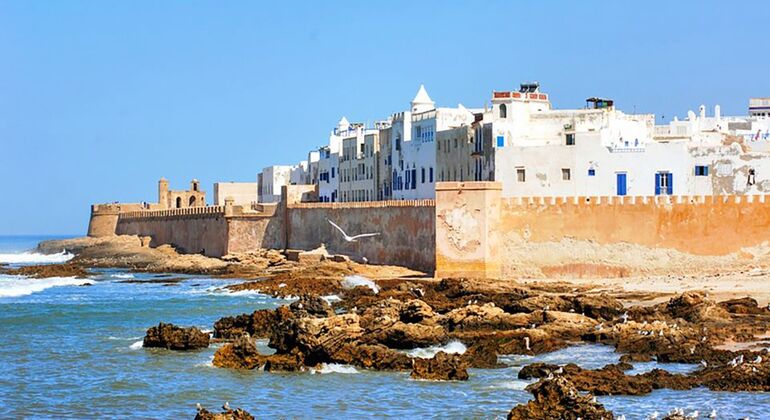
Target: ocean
74 351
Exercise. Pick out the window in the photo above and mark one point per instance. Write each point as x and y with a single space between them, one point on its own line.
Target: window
327 178
414 179
570 139
521 175
566 174
500 141
422 171
701 170
664 183
430 172
503 111
592 172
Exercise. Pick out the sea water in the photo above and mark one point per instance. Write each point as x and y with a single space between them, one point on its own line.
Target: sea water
74 351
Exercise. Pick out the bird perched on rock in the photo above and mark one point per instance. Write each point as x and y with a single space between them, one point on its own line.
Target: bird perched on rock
704 363
226 405
758 359
713 414
526 343
625 317
198 406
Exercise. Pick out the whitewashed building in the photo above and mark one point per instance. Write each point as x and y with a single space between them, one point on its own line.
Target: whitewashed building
271 180
413 145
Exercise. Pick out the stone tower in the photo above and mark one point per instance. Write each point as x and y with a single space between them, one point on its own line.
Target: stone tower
163 193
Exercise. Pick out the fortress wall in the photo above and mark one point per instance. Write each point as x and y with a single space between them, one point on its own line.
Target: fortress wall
104 218
407 230
191 230
701 225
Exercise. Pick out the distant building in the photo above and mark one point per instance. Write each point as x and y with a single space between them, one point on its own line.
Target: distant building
168 199
759 107
271 180
242 193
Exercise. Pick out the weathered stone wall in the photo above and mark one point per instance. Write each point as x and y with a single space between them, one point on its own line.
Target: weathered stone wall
407 230
467 240
704 225
104 218
196 230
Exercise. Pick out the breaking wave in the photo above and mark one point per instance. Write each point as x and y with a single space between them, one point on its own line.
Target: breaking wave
353 281
136 345
452 347
35 258
13 286
334 368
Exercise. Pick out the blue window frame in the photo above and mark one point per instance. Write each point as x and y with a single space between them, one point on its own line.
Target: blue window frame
592 172
701 170
500 141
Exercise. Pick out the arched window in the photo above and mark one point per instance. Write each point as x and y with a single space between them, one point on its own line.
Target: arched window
179 202
503 111
192 201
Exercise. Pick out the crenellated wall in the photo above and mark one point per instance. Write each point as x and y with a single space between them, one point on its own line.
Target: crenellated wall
192 230
699 225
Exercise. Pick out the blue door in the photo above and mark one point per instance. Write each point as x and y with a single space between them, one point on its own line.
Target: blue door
621 183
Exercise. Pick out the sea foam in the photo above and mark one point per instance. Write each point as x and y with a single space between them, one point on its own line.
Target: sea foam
35 258
352 281
334 368
13 286
452 347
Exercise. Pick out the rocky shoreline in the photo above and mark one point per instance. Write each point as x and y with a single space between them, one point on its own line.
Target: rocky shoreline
378 314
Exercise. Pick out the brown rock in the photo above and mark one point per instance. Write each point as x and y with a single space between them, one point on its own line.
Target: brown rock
375 356
171 337
240 354
227 414
442 367
257 324
558 399
416 311
486 317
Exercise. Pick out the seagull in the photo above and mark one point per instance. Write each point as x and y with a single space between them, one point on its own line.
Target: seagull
758 359
198 406
704 363
349 238
599 327
713 414
625 317
526 343
694 415
226 405
559 371
653 416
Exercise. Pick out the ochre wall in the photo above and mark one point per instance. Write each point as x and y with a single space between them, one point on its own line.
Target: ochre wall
204 232
467 240
104 218
407 230
710 225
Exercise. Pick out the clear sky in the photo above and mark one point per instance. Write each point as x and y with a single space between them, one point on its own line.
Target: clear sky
99 99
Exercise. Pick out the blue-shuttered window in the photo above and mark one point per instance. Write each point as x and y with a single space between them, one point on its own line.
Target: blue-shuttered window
592 172
500 141
701 170
664 183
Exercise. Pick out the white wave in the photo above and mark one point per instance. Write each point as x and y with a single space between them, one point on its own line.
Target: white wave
123 276
13 286
35 258
518 385
334 368
452 347
112 337
352 281
137 345
209 363
331 299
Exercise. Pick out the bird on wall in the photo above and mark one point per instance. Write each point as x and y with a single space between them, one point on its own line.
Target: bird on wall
349 238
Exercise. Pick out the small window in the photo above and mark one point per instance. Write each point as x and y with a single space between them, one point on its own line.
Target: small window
592 172
566 174
431 174
422 177
521 175
570 139
701 170
500 141
503 111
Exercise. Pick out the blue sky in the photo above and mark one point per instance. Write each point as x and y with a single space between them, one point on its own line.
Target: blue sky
100 99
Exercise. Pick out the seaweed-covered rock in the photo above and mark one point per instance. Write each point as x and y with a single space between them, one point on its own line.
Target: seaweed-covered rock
171 337
558 399
442 367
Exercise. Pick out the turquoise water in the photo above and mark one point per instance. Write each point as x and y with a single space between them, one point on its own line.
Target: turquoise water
72 352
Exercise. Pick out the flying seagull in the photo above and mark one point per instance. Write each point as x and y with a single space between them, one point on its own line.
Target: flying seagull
349 238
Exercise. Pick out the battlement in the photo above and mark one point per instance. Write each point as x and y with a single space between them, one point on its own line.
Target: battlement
171 213
657 200
365 204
